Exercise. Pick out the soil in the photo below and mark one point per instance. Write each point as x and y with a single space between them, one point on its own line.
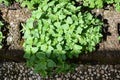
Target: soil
111 19
14 18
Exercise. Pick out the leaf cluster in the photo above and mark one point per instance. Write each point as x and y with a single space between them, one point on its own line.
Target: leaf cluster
30 4
100 3
57 31
6 2
33 4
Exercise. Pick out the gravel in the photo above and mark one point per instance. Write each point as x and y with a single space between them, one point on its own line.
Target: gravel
18 71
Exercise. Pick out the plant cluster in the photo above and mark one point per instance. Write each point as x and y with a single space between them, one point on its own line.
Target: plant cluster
100 3
30 4
33 4
58 31
1 35
6 2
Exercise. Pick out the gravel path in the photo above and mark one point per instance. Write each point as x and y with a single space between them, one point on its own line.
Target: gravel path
18 71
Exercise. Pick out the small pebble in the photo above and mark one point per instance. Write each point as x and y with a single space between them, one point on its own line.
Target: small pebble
78 79
58 79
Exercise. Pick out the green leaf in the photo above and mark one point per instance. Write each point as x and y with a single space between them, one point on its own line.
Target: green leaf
35 33
30 23
99 3
45 7
71 7
49 50
74 17
59 39
35 41
79 30
77 47
109 1
53 17
66 12
51 63
34 49
55 9
28 4
44 47
27 55
27 34
29 40
59 47
40 55
117 7
69 20
92 4
61 16
51 3
1 24
92 43
60 5
37 14
28 49
42 66
65 27
89 16
42 37
119 37
57 24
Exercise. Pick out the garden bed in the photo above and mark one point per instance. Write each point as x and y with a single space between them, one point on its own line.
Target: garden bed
107 51
109 48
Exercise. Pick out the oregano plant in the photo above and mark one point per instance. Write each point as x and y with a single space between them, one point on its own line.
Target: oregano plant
58 31
30 4
100 3
6 2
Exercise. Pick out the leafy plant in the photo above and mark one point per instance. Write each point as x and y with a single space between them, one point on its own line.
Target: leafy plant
117 5
93 3
30 4
33 4
56 32
100 3
1 35
7 2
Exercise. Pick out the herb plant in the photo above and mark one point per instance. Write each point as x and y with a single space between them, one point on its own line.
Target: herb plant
58 31
30 4
7 2
100 3
33 4
116 4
